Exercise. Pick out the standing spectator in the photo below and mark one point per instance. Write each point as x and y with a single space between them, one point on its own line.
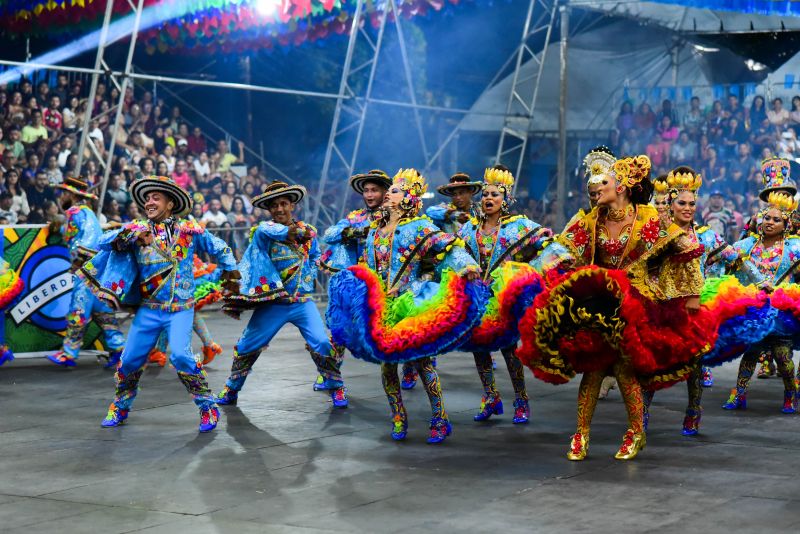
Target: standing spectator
777 115
197 143
645 119
40 191
34 131
53 120
694 120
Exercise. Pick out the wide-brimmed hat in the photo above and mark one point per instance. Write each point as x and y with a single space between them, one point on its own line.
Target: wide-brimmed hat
459 179
77 186
279 189
375 176
775 174
147 184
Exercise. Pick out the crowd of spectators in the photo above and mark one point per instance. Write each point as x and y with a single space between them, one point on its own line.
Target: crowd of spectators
40 130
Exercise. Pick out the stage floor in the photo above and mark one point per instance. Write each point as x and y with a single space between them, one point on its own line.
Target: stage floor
284 461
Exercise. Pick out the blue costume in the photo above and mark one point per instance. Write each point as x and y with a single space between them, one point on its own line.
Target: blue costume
82 231
448 223
278 277
515 238
345 240
159 278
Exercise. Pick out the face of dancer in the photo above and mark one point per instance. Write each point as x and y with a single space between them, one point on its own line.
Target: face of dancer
66 199
393 197
594 194
608 191
773 223
373 195
661 203
683 208
462 198
158 206
281 210
492 200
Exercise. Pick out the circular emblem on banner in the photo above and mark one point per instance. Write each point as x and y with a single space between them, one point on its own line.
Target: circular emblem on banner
48 284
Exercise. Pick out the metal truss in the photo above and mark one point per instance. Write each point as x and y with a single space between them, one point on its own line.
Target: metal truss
524 89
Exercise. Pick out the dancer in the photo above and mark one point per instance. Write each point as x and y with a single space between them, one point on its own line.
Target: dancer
11 285
680 188
417 296
346 239
81 231
150 262
638 282
279 269
661 199
207 291
494 240
770 260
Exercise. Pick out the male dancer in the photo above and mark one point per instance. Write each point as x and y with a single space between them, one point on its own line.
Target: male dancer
279 269
82 231
346 239
150 262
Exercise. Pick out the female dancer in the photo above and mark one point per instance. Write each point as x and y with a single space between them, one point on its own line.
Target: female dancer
638 282
770 260
495 240
391 310
680 190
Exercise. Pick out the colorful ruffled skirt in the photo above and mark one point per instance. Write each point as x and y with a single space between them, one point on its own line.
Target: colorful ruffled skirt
590 318
208 288
11 285
379 329
514 286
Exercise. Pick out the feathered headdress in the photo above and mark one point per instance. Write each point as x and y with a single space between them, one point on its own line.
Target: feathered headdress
631 171
597 163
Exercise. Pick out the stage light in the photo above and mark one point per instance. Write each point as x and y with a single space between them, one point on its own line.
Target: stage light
755 66
701 48
267 8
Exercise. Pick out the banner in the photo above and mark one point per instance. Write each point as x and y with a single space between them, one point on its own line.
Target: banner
36 323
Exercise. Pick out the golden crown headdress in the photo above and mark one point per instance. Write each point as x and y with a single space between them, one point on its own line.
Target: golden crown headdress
661 187
411 181
597 163
630 171
783 201
497 177
684 181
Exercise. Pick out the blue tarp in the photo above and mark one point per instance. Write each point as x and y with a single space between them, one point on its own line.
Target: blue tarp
760 7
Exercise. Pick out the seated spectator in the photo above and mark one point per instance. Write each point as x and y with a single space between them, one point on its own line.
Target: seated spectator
684 151
625 118
111 211
52 118
40 191
742 167
226 159
667 111
201 166
644 119
229 192
6 201
716 116
658 151
668 131
67 147
117 189
15 142
19 200
53 172
168 157
197 142
693 120
34 131
717 216
131 212
757 113
631 143
778 116
147 166
214 218
182 177
239 218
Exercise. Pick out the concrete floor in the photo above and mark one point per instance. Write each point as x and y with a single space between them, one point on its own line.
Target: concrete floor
284 461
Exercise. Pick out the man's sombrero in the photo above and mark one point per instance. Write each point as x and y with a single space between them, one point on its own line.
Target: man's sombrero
458 180
375 176
279 189
77 186
775 174
148 184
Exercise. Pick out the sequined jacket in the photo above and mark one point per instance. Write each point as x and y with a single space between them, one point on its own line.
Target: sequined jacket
661 260
81 231
449 224
273 268
159 275
342 252
420 253
518 239
788 270
717 254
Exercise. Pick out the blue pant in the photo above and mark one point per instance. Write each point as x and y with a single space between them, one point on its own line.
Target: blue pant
147 326
266 321
83 307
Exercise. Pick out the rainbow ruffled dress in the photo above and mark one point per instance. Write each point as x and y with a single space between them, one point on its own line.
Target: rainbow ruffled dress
11 285
436 306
